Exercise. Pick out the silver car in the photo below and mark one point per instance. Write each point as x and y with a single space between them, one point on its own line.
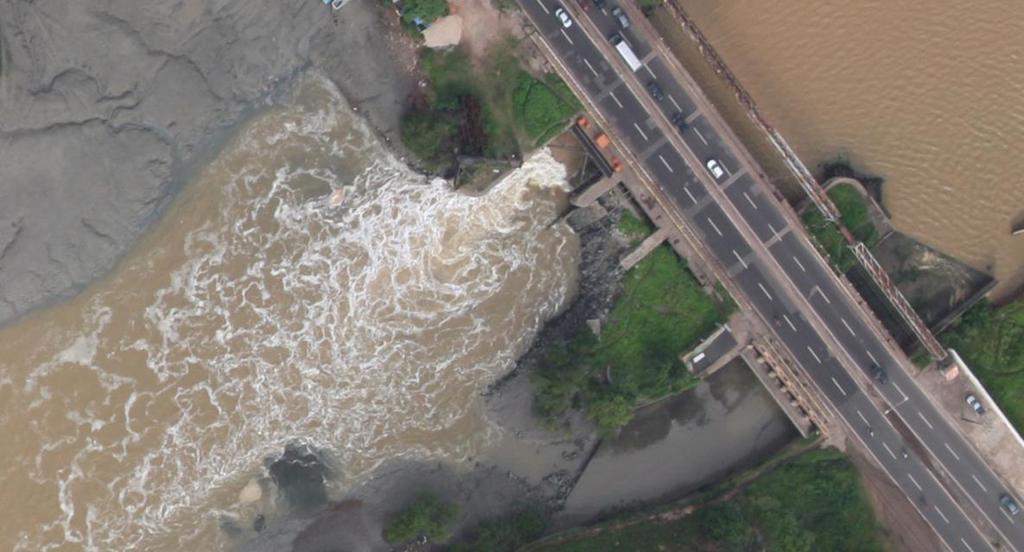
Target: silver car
715 168
974 403
563 16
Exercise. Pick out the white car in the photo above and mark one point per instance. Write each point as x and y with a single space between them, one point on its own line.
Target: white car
715 169
563 16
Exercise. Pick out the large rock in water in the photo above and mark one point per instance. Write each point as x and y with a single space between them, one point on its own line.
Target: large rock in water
105 103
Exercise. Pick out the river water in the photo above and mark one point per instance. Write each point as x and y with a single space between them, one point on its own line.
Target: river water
925 94
254 313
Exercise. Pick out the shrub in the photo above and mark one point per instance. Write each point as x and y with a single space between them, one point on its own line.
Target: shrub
425 517
426 10
430 136
507 533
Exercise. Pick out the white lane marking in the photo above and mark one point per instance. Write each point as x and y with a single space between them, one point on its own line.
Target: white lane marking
775 233
769 295
815 355
823 296
543 7
687 190
789 322
667 166
894 384
925 420
616 98
751 202
649 72
871 356
969 549
976 480
566 36
839 387
951 451
863 419
637 127
798 263
744 263
715 226
944 518
848 328
727 171
674 103
914 481
1007 516
889 450
699 135
591 67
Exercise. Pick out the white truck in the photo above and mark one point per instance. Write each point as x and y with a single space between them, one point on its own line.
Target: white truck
626 52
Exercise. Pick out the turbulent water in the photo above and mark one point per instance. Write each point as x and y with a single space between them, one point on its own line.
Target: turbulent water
255 314
925 94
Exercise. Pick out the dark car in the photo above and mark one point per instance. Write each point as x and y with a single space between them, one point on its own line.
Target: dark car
1009 504
879 374
679 120
656 91
974 403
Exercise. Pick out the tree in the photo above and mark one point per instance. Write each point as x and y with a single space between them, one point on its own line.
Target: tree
425 517
424 10
430 136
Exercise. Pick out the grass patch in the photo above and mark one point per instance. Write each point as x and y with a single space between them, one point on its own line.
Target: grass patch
494 109
853 212
506 533
425 517
633 228
661 313
813 501
991 342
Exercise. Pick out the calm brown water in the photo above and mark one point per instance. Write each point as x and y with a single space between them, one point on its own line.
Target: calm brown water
926 94
134 415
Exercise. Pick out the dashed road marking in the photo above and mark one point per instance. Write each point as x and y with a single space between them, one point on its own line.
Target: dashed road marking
848 328
775 233
715 226
667 166
543 7
889 450
823 296
616 98
591 67
862 418
687 190
914 481
566 36
649 72
769 295
744 263
925 420
786 318
951 451
750 201
839 387
896 385
798 263
969 549
637 127
978 481
871 356
943 516
815 355
699 135
674 103
1007 516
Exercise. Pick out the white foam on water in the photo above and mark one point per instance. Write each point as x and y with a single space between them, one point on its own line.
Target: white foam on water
367 331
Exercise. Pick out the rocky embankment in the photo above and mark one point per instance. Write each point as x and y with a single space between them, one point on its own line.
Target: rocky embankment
107 106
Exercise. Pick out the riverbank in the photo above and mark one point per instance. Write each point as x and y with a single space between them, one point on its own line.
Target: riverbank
133 128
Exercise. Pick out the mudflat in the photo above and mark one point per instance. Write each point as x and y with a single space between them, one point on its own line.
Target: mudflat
107 106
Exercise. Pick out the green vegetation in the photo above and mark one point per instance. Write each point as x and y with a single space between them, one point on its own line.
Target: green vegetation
991 342
813 501
648 6
425 10
488 110
507 533
633 228
425 517
661 313
853 212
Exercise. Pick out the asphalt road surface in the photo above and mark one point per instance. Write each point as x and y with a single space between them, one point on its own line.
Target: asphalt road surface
801 324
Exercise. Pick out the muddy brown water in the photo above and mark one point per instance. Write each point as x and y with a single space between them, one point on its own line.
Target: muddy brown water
135 415
925 94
